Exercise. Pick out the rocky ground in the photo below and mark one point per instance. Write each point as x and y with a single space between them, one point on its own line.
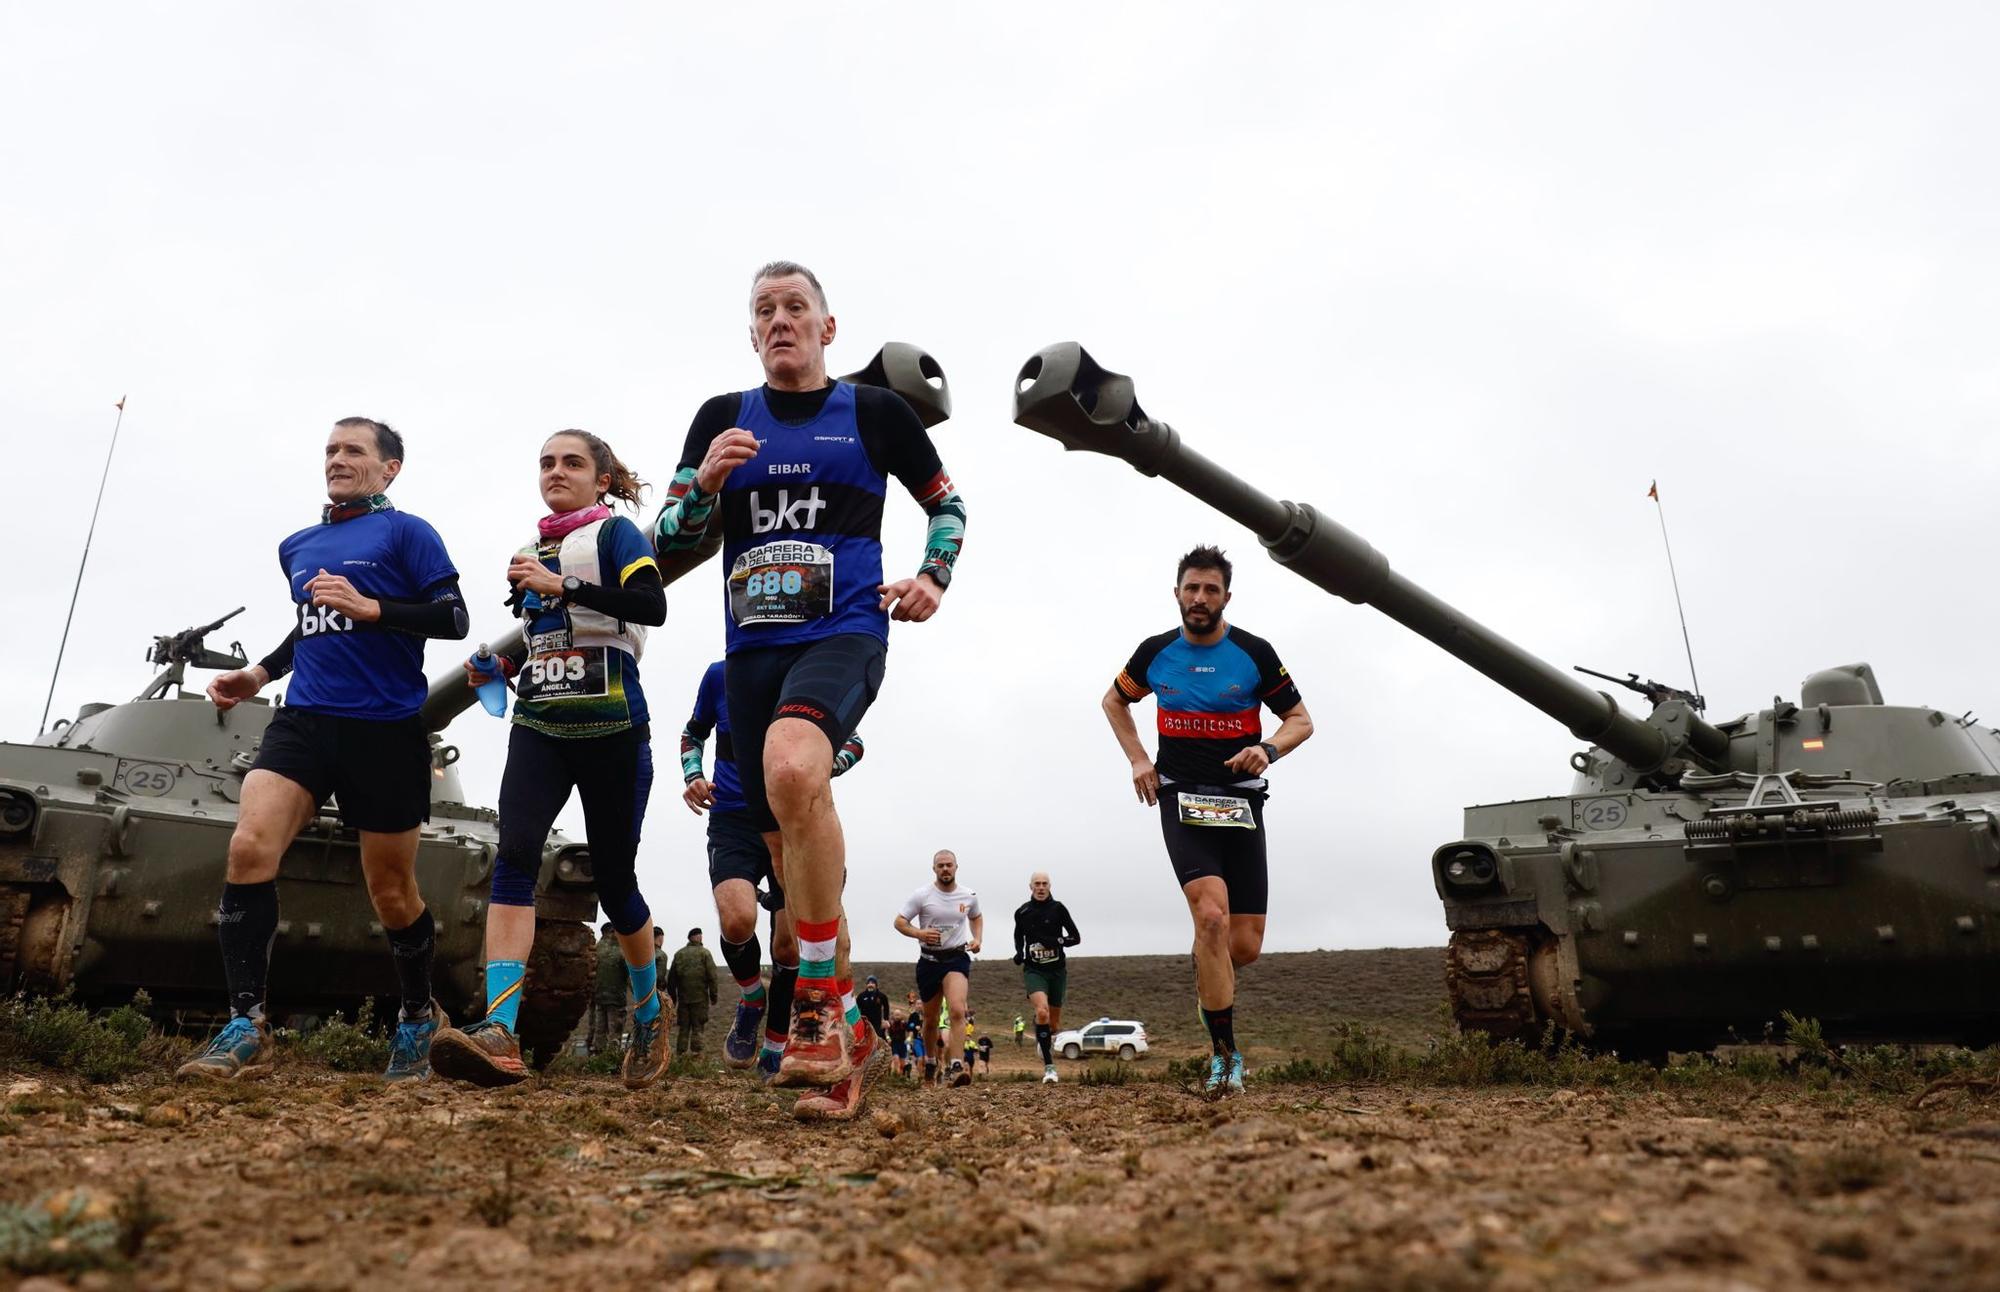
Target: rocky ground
316 1180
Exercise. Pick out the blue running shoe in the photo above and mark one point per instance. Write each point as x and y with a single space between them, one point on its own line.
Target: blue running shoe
1218 1076
241 1049
739 1048
767 1065
410 1048
1233 1083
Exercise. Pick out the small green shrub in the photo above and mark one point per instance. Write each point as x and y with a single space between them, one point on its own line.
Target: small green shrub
56 1032
360 1046
67 1233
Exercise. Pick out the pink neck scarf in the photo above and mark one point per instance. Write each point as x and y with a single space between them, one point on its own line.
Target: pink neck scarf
557 524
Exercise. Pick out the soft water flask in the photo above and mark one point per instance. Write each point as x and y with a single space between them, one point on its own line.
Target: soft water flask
493 692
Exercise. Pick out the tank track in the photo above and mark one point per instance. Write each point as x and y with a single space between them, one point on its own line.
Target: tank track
1486 977
562 970
14 904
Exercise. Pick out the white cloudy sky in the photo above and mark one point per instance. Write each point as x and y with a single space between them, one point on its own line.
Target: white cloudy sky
1466 277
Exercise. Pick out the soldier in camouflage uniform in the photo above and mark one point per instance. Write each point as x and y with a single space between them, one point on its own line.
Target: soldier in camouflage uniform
691 981
607 1008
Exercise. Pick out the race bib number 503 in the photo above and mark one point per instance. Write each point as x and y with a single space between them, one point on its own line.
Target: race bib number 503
781 583
574 674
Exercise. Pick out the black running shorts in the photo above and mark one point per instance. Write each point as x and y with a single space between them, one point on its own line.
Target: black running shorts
829 683
1231 853
932 969
378 771
736 851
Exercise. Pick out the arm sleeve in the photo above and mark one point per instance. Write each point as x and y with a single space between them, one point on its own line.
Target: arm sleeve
699 724
684 520
279 661
1131 680
849 753
439 613
1020 938
898 445
641 600
1069 931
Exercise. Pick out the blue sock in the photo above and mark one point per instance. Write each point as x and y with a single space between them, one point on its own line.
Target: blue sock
503 990
645 991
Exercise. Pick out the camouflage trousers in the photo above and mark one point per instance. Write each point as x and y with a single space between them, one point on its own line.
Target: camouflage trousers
607 1025
687 1030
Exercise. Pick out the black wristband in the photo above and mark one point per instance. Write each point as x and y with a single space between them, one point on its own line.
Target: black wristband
1270 750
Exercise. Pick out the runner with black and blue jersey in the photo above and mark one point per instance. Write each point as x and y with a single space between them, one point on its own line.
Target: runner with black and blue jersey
739 872
1212 680
796 474
586 590
369 584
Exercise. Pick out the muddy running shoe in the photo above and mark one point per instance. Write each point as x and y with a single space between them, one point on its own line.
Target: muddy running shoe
959 1075
485 1054
767 1066
410 1047
1218 1076
647 1054
819 1050
241 1049
1234 1081
871 1060
739 1048
1049 1076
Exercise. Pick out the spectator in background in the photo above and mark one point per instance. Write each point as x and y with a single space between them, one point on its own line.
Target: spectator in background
607 1010
692 982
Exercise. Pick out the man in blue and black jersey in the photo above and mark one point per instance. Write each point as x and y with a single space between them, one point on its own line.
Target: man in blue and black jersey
796 472
1211 680
370 583
739 872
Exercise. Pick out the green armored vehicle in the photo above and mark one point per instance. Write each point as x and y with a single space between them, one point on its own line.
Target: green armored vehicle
1835 856
113 831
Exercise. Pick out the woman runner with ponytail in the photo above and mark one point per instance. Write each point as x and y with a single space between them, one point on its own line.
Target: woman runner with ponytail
586 589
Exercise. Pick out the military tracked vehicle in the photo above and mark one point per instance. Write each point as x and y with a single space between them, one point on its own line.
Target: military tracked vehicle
1835 856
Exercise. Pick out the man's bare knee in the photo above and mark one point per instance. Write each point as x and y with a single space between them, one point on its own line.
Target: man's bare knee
1211 923
1041 1016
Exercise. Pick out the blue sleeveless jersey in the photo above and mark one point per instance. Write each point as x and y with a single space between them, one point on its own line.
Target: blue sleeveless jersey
804 556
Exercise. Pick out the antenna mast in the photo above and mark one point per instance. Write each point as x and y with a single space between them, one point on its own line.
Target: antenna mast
80 565
1694 679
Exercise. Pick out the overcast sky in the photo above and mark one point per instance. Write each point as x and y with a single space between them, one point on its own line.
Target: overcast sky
1467 278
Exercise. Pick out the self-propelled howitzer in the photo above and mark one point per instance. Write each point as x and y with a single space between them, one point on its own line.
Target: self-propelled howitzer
1836 857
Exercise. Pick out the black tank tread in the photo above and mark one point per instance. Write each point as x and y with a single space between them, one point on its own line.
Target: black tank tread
1486 977
562 971
14 903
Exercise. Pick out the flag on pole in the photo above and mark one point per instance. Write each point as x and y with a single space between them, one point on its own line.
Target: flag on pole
1653 492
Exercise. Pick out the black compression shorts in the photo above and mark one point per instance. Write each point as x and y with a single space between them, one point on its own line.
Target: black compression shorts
378 770
736 851
829 683
1231 853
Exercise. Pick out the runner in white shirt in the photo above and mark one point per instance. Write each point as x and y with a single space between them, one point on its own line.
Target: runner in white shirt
947 923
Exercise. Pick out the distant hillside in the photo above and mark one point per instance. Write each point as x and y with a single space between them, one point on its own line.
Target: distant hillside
1287 1000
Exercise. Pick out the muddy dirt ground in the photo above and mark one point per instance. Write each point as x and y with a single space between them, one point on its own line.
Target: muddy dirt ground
314 1180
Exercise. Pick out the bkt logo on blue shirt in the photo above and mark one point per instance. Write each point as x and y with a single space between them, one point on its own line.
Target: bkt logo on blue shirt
788 513
314 620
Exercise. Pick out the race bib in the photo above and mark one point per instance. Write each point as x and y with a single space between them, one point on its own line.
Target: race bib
559 673
1216 809
1040 954
781 583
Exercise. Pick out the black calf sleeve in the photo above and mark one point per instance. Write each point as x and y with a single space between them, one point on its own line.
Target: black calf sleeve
778 1015
744 959
412 948
246 925
1222 1030
1045 1041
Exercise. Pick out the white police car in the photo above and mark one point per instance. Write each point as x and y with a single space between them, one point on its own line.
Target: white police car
1124 1037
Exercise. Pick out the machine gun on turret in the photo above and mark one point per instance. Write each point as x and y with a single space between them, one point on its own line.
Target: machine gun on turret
175 651
1656 693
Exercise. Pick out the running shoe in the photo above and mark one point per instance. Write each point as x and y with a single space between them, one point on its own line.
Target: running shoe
739 1048
819 1050
241 1049
844 1100
1049 1076
1218 1076
767 1066
1233 1083
410 1047
485 1054
959 1075
648 1053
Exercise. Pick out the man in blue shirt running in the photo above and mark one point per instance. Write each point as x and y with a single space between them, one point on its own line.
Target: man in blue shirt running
1211 678
369 584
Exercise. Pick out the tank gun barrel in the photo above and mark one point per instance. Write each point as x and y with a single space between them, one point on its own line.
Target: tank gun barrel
1066 395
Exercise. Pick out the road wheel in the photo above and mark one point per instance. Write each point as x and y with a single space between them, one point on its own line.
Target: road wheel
1072 1051
562 970
1126 1054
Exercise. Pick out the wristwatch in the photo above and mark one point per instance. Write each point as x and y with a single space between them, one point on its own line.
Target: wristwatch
571 586
1270 750
940 574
